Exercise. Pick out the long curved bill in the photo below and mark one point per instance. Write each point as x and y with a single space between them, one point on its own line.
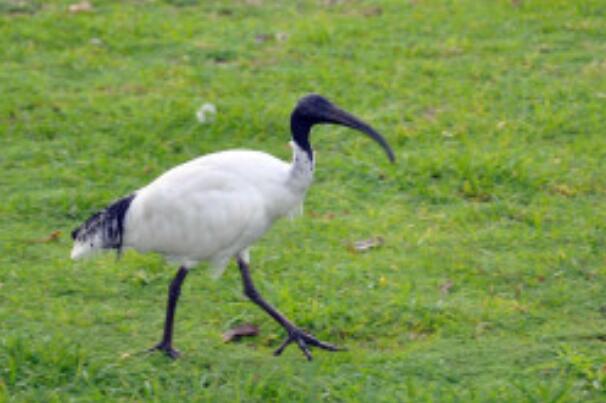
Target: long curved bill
336 115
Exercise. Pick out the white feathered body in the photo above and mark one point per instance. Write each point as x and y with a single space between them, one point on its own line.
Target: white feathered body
212 208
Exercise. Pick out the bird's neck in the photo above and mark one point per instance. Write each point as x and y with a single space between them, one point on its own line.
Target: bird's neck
302 167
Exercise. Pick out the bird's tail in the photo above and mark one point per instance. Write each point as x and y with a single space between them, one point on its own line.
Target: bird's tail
103 230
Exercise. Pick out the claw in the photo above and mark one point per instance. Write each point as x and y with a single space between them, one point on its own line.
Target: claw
304 340
303 347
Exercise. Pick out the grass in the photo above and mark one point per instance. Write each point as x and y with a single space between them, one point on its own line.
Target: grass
490 283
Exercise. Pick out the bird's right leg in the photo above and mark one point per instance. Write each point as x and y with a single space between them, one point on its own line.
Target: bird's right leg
174 290
295 334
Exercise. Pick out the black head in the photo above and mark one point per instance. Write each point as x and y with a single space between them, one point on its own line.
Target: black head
315 109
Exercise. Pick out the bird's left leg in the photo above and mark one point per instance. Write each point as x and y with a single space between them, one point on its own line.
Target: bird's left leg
166 345
295 334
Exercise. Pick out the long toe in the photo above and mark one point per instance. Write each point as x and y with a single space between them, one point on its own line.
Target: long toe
304 341
312 341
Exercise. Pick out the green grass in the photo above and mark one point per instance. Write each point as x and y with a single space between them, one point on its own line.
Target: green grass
495 109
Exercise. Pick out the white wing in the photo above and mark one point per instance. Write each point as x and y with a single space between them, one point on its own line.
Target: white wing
211 208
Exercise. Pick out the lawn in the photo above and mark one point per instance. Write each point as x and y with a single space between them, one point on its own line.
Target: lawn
490 284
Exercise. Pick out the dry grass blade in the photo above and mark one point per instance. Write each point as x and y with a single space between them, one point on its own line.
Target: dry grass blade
81 7
446 287
52 237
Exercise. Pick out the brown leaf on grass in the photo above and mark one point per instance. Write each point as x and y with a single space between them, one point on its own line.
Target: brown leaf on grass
414 335
323 216
52 237
430 113
16 7
480 329
269 37
564 190
518 290
446 287
81 7
367 244
374 11
260 38
247 330
281 36
519 307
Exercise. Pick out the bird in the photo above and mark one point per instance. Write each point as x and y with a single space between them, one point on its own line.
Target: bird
214 208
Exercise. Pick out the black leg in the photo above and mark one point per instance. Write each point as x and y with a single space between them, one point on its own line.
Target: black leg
174 290
294 333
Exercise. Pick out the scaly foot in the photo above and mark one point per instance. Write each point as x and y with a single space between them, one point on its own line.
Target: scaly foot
304 340
167 349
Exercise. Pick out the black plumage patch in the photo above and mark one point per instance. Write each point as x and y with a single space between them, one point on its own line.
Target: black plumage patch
108 223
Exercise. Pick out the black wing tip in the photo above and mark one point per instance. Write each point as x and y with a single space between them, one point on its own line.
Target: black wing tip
76 232
110 221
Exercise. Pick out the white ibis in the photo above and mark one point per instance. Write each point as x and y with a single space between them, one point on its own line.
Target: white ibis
214 208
